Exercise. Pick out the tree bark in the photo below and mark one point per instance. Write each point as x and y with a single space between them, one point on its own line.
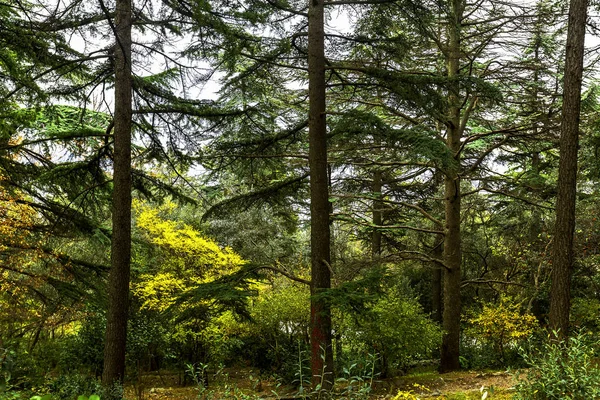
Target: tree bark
562 257
118 281
321 351
377 215
436 283
452 200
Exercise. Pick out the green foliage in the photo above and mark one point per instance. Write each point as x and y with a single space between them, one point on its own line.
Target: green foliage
358 126
278 330
71 386
565 371
148 341
358 378
7 386
395 327
84 350
44 397
584 314
226 390
285 306
22 368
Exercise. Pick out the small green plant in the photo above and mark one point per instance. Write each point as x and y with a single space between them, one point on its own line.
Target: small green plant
561 370
318 391
199 374
302 378
359 378
226 389
304 381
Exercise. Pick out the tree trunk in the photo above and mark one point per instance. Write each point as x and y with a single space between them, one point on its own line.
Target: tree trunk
452 199
118 281
377 215
320 335
436 283
562 257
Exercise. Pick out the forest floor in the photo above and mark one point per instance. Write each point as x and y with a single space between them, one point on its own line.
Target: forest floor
244 384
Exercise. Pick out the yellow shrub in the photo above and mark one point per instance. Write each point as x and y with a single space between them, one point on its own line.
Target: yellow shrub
409 394
502 324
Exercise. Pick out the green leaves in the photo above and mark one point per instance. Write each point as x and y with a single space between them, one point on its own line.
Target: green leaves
564 370
49 397
80 397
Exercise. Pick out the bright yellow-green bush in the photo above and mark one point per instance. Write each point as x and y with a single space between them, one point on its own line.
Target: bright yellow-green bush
410 394
502 324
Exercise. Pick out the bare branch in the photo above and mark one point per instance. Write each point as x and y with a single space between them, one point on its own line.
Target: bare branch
286 274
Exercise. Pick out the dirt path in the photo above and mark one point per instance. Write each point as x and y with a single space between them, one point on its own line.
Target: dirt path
243 384
434 385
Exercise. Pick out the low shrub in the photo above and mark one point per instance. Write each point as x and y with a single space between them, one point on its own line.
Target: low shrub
68 387
498 329
564 370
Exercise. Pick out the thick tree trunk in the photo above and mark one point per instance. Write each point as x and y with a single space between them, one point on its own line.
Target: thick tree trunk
320 335
452 199
452 278
562 259
118 282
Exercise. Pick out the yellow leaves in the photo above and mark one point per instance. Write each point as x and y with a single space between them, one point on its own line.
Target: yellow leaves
502 323
159 291
409 394
186 246
16 220
184 257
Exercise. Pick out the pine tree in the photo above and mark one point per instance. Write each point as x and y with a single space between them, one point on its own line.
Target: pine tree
320 237
119 277
562 265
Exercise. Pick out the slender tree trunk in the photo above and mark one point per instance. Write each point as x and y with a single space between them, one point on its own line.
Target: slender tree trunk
320 335
377 215
452 199
436 282
562 258
118 281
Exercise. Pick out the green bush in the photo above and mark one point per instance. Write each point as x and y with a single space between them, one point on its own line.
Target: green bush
563 371
395 328
19 368
477 355
278 332
84 350
584 315
69 387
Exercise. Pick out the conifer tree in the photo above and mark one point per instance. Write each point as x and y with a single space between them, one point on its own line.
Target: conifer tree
118 281
320 240
562 265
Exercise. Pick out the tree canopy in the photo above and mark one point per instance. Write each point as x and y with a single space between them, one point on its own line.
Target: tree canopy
302 188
